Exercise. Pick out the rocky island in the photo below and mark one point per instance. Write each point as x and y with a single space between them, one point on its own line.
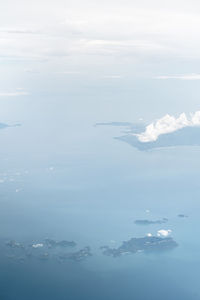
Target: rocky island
77 256
52 243
182 216
150 222
45 250
145 244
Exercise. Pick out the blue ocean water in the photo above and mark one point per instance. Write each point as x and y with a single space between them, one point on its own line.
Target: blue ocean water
64 178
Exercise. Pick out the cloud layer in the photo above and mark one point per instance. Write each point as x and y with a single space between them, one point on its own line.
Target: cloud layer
105 28
37 246
163 232
192 76
168 124
13 94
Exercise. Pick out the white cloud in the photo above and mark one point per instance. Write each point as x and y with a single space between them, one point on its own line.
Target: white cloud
31 71
106 28
192 76
14 94
37 246
18 31
168 124
113 76
149 234
69 72
164 232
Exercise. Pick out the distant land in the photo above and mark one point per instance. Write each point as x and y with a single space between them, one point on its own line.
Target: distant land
130 127
113 124
145 244
3 125
150 222
47 249
182 216
187 136
61 251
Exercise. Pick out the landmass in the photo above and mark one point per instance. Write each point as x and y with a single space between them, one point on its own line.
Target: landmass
14 244
130 127
113 124
52 243
2 125
45 250
150 222
51 249
182 216
145 244
187 136
77 256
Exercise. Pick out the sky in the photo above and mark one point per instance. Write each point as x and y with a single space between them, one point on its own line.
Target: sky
75 37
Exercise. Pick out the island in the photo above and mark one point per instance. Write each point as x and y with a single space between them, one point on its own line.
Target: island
182 216
52 243
150 222
77 256
45 250
14 244
145 244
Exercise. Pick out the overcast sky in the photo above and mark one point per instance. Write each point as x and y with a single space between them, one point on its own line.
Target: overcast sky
67 30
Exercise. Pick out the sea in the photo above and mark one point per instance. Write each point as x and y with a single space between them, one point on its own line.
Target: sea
63 178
